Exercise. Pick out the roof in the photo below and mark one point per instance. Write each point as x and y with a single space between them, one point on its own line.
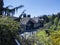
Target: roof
35 19
24 20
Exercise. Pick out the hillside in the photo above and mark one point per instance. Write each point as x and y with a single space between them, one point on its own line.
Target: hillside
50 33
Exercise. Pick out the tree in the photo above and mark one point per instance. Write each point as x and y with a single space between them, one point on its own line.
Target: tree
11 12
58 15
53 17
46 19
22 14
8 11
28 15
1 6
8 31
55 37
56 20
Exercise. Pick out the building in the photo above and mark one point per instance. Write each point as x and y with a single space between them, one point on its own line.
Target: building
28 23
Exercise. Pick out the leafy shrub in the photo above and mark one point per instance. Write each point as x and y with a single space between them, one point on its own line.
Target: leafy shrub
53 27
55 37
8 31
43 38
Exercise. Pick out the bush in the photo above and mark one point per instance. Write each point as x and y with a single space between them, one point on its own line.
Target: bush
8 31
43 38
55 37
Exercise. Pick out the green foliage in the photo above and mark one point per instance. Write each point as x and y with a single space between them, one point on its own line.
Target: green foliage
58 25
49 34
47 25
58 15
53 27
55 37
10 24
46 19
42 38
8 31
41 34
56 20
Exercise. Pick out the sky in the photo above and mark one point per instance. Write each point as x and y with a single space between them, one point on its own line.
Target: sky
35 7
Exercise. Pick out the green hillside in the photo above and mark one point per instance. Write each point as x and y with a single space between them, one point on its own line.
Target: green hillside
50 33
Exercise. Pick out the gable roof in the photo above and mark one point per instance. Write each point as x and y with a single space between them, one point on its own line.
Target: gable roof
35 19
24 20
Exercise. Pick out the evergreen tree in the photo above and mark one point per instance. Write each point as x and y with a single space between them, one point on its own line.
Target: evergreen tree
1 6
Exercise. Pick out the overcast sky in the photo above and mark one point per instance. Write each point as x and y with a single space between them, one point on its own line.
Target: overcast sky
35 7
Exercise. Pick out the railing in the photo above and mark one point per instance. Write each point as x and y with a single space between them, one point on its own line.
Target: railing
17 42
